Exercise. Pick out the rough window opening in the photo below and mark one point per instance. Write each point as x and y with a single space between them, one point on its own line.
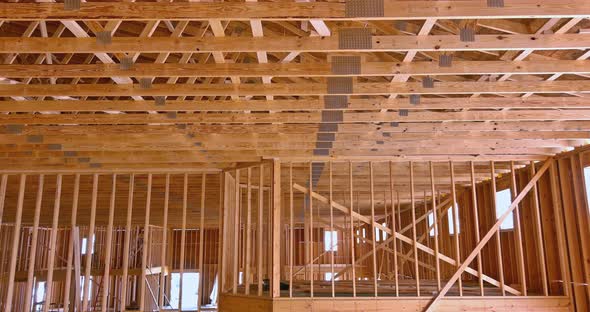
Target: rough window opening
330 241
503 201
190 290
450 214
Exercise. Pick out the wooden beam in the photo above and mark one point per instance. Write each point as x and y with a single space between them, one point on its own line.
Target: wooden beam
295 105
431 306
323 69
395 43
295 117
393 10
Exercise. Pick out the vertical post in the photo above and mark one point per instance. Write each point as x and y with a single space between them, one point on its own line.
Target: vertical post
15 241
539 232
331 236
52 243
455 210
33 251
310 229
352 240
90 244
126 243
276 228
182 237
107 256
560 230
435 224
201 238
236 252
248 230
291 229
498 241
373 236
259 223
164 243
3 195
518 232
476 226
414 240
73 218
393 229
146 237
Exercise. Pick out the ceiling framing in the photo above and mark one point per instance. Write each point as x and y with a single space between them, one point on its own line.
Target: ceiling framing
210 84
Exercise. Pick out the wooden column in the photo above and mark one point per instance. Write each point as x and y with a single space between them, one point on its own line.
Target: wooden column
33 250
435 225
164 244
518 233
373 236
248 230
73 218
52 244
331 248
539 234
15 241
352 240
456 224
260 235
497 234
90 244
236 233
201 238
146 237
476 226
414 240
291 230
107 256
182 237
276 228
126 244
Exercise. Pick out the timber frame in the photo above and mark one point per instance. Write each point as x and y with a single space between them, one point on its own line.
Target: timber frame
297 155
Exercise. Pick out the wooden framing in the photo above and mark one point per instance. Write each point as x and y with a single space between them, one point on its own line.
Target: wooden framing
387 125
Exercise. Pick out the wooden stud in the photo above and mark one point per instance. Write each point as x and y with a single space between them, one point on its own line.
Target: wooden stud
52 245
331 248
518 232
455 210
202 238
352 240
373 236
146 239
164 243
260 228
183 237
126 255
15 241
108 249
33 249
236 232
498 240
414 241
276 228
248 230
90 244
435 224
476 226
291 230
71 245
